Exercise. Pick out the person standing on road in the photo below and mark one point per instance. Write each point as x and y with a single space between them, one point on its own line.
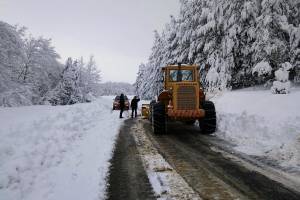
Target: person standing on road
134 106
122 104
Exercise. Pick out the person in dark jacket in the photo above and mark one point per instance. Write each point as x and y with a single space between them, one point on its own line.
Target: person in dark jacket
134 106
122 104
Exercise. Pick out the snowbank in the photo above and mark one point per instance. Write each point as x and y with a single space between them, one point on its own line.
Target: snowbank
57 152
260 123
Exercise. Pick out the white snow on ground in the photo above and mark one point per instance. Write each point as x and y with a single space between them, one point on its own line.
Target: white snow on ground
261 123
57 152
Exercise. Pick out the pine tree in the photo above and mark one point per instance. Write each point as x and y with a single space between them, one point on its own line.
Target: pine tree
93 74
67 91
229 39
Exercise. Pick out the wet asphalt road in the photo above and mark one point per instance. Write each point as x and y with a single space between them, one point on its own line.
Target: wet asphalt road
208 172
127 178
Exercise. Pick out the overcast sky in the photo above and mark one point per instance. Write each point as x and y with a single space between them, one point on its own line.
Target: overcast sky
119 33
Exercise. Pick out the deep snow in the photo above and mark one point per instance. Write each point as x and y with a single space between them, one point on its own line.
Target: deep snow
63 152
57 152
260 123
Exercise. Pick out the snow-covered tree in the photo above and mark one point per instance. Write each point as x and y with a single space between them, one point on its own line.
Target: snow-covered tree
212 79
11 55
79 82
29 68
231 38
67 91
157 60
40 69
139 83
295 52
31 73
89 78
93 75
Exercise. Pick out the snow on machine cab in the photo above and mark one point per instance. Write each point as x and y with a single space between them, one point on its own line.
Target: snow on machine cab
182 99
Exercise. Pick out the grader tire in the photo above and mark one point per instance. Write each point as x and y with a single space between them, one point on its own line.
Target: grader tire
159 118
151 110
209 123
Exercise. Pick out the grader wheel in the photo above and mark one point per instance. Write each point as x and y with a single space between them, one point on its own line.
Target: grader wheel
159 118
209 122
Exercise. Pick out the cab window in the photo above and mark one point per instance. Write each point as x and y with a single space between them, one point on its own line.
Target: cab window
181 75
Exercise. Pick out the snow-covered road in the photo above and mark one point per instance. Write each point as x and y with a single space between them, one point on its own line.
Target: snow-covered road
60 152
63 152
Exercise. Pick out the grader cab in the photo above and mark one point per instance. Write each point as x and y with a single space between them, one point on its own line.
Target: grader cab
182 99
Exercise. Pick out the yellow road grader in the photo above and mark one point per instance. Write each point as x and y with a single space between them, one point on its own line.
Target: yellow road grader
182 99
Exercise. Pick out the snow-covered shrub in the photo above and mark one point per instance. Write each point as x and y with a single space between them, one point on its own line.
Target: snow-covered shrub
282 75
21 96
282 84
280 87
89 97
263 71
262 68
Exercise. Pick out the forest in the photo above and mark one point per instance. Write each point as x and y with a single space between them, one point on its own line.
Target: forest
32 73
236 45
